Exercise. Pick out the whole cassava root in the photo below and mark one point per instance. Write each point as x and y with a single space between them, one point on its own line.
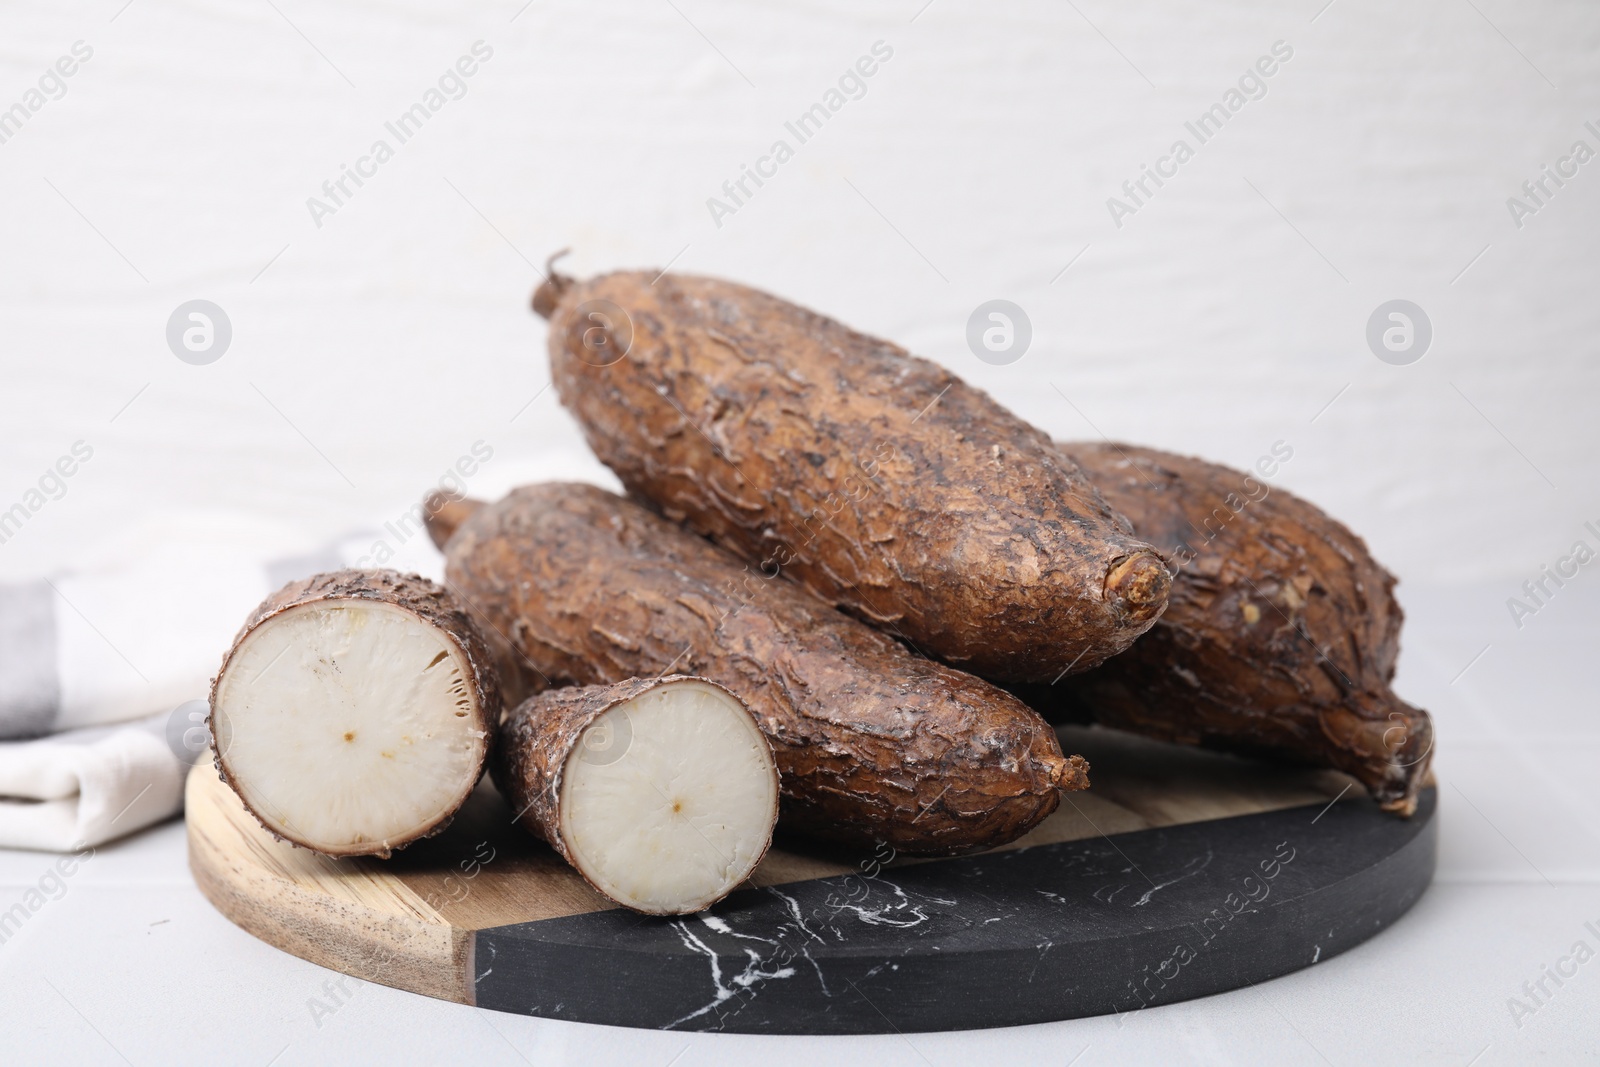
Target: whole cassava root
873 743
661 792
354 712
1280 638
880 481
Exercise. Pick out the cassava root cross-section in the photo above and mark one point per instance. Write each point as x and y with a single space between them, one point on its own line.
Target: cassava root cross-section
874 744
662 793
355 711
1280 639
892 489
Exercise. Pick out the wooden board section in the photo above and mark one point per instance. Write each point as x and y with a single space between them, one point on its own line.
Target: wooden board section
485 914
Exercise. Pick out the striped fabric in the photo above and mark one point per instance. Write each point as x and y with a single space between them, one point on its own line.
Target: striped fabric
30 690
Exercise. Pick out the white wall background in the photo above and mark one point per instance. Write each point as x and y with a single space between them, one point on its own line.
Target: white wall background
178 164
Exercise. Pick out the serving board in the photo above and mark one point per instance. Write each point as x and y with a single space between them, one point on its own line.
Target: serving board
1179 874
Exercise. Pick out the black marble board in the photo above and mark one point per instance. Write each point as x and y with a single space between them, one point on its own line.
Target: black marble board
1107 925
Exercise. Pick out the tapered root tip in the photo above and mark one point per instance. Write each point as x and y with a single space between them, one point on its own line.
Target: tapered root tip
1068 774
1405 806
545 298
1384 743
1139 585
548 295
442 514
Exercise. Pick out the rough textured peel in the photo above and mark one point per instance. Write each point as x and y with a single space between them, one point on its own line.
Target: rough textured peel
1280 638
579 586
882 482
354 712
662 792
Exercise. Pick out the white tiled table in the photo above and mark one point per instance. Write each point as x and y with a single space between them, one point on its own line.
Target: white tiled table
133 964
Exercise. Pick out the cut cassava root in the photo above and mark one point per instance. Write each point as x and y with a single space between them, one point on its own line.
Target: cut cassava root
355 711
1280 639
662 793
873 743
889 487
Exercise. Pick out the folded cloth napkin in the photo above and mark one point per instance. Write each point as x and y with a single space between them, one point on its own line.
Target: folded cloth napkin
81 788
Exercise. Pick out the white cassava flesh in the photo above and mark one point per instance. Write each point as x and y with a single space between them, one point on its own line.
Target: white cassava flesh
664 792
348 720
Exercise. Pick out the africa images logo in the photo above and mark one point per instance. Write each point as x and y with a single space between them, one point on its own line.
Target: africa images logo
1399 332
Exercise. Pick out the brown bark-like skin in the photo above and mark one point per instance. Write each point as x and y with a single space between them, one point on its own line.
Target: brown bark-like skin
873 743
426 600
882 482
1280 639
442 513
539 735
